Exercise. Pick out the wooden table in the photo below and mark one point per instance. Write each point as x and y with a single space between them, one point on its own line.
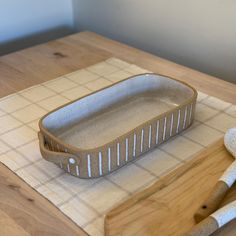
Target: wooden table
22 210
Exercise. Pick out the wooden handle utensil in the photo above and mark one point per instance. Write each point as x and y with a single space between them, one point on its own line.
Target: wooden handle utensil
224 183
217 194
215 221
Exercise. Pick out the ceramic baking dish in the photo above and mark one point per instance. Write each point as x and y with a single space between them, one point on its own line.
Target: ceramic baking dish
103 131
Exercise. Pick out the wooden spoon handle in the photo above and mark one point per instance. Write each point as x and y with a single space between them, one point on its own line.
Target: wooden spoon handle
204 228
215 221
212 202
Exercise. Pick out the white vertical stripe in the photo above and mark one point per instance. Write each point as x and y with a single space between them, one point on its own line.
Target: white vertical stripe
164 130
100 162
126 149
118 153
77 170
157 132
134 147
109 159
171 124
177 130
60 164
89 165
141 147
190 113
150 136
68 168
185 116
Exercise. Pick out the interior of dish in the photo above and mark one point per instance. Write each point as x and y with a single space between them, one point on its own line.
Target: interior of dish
101 117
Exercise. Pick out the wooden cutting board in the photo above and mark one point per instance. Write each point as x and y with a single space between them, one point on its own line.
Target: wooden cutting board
167 207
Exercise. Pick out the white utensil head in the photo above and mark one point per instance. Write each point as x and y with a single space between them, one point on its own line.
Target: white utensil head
229 176
225 214
230 141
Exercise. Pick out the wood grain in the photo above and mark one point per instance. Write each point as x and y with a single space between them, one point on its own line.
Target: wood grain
167 207
24 212
44 62
9 227
41 63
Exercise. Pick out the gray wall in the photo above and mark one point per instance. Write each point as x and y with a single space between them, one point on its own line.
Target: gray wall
27 22
199 34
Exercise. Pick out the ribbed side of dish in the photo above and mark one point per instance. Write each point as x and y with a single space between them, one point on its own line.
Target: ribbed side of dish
116 154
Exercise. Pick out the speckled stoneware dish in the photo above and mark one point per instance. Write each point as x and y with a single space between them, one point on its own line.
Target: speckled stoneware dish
101 132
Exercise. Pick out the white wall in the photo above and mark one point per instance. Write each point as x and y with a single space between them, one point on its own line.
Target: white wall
200 34
27 22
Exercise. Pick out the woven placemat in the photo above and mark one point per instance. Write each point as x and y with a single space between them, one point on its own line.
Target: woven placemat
87 201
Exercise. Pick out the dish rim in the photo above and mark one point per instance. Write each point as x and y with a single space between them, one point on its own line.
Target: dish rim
74 149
